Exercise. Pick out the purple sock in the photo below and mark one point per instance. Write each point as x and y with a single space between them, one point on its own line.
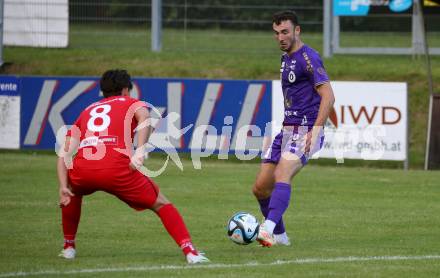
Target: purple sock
264 207
279 201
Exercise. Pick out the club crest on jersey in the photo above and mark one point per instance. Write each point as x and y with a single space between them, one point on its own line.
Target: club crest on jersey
292 76
293 64
321 71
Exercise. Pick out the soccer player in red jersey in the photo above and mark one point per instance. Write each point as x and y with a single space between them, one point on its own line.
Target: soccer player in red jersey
103 136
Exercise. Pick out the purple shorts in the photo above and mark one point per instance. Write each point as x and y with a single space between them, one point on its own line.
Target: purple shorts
293 139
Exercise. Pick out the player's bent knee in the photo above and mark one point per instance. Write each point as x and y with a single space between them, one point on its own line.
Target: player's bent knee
160 202
255 191
261 192
158 205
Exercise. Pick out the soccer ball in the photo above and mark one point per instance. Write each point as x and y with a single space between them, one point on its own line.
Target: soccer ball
243 228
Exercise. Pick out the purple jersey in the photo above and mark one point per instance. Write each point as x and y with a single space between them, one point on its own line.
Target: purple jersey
301 73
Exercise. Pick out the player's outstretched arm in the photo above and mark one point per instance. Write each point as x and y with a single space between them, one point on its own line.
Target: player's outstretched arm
327 100
144 127
64 159
144 130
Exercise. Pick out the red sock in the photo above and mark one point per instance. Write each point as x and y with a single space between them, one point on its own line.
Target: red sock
173 223
70 218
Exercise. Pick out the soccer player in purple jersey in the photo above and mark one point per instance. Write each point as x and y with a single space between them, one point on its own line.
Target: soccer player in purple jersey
308 100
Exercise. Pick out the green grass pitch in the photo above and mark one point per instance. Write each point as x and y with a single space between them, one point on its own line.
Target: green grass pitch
344 222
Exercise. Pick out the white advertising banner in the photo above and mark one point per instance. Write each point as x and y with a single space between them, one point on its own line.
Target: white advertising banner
369 120
36 23
9 122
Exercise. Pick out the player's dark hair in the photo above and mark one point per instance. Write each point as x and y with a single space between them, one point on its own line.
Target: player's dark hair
114 81
277 18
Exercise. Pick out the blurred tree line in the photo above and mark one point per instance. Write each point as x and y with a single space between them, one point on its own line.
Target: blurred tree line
230 14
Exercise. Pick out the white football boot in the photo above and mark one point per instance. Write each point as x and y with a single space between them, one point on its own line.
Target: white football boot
264 237
282 239
191 258
68 253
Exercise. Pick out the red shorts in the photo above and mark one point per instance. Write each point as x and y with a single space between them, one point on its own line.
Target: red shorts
130 186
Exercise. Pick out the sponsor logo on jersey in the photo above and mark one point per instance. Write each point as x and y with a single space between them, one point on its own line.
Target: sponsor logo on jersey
282 66
309 66
290 113
304 120
93 141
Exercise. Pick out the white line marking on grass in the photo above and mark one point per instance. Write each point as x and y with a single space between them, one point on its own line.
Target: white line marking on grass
219 266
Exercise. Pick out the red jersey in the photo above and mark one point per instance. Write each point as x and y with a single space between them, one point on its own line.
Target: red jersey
105 131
